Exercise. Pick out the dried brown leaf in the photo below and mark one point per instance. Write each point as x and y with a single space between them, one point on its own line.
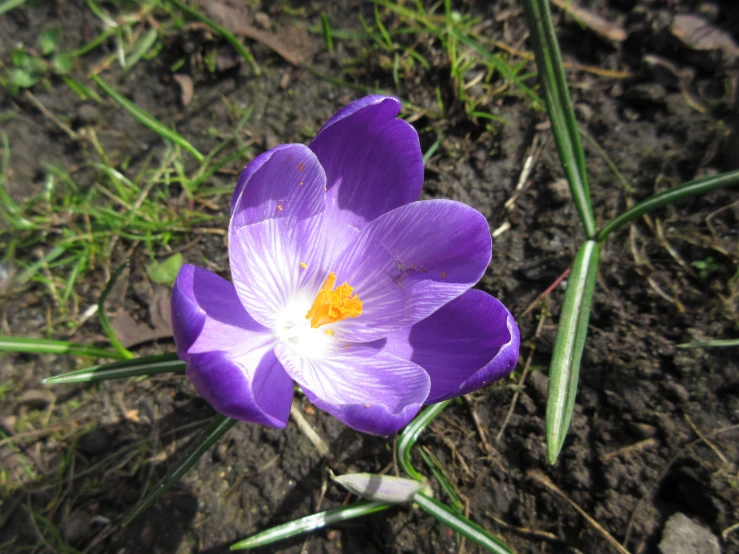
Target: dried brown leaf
605 28
131 332
699 34
295 45
187 89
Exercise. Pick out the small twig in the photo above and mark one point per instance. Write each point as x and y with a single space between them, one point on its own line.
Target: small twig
478 425
728 531
457 454
671 250
659 290
302 423
547 483
467 515
548 291
524 530
54 119
629 449
608 73
595 23
534 151
705 439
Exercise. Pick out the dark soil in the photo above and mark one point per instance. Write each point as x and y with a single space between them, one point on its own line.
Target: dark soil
655 428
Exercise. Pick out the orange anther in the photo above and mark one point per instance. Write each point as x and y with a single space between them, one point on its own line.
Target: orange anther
332 305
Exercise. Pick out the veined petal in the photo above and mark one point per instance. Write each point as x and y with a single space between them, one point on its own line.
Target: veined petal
229 356
277 239
366 388
465 345
251 169
287 183
372 160
409 262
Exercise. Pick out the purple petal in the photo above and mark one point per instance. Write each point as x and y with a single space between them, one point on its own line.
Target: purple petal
252 168
367 389
229 356
277 239
288 182
372 160
409 262
467 344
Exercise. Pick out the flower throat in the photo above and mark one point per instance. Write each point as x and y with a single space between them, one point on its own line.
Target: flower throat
333 304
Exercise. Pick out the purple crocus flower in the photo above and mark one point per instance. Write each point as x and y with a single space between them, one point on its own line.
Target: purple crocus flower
344 284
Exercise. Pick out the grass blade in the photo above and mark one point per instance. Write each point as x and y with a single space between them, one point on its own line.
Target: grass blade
10 4
715 343
310 523
500 65
559 107
42 346
218 427
437 470
327 34
410 435
147 365
146 119
227 36
103 317
675 194
461 524
568 346
143 45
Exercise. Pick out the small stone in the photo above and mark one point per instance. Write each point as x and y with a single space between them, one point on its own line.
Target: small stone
682 535
186 503
262 21
95 442
219 452
77 528
147 536
584 111
677 392
540 383
87 114
37 399
560 189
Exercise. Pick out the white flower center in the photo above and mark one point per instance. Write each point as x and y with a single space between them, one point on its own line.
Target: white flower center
294 330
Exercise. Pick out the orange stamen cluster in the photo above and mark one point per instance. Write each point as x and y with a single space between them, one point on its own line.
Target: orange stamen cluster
332 305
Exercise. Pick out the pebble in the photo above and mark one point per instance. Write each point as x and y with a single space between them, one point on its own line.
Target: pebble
95 442
540 382
87 114
262 21
77 527
682 535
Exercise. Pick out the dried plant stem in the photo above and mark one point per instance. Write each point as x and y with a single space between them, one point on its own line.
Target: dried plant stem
524 530
705 439
50 116
543 480
629 449
302 423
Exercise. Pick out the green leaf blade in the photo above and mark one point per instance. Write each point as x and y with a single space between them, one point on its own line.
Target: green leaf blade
310 523
461 524
670 196
146 366
568 346
146 119
43 346
165 272
218 427
410 435
559 107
